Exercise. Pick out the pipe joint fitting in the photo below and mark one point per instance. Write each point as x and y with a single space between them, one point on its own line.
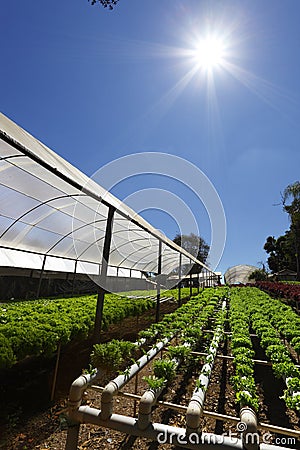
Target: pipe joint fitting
250 436
193 416
107 396
147 401
76 392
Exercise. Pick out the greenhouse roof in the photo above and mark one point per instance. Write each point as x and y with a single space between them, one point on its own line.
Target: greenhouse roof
238 274
53 216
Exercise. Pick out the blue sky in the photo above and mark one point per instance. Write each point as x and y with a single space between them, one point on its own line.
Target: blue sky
96 85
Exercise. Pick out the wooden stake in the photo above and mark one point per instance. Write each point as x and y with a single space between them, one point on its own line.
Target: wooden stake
55 371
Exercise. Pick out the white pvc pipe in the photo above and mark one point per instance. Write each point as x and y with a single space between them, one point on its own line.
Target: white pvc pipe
250 435
160 432
211 414
75 396
77 388
149 399
166 433
195 407
115 385
147 402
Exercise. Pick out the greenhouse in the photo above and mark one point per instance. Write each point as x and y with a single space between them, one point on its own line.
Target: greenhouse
53 217
55 220
238 274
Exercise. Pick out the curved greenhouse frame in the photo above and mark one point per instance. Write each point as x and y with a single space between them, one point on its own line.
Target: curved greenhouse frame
53 217
49 208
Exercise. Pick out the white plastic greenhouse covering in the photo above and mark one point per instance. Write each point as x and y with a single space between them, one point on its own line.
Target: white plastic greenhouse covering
238 274
53 217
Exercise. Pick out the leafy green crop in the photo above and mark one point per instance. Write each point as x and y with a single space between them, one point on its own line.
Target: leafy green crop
193 315
164 368
7 357
111 355
155 383
272 320
180 352
241 347
35 327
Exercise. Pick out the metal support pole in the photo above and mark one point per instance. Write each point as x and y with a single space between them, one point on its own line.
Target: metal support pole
158 282
135 392
41 276
74 276
103 272
179 279
191 280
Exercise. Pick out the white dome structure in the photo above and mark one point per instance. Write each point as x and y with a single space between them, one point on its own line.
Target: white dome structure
238 274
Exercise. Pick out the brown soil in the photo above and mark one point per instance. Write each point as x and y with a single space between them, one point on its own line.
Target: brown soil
48 429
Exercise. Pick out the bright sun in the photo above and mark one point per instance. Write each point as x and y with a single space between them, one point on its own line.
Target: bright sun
209 52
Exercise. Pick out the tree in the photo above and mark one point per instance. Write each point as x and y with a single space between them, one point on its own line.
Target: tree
277 250
284 251
195 245
292 193
258 275
105 3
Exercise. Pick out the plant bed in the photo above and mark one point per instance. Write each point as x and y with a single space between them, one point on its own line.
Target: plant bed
28 383
220 397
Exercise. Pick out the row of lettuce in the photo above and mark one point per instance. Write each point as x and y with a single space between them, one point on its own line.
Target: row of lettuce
186 325
36 327
278 329
250 310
